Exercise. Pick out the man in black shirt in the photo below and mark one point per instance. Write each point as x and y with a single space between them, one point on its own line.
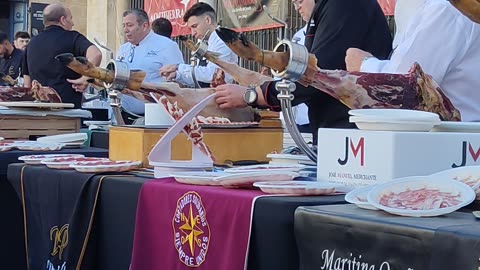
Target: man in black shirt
334 26
58 37
11 58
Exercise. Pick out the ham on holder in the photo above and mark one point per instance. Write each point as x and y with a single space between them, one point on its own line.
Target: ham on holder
36 93
357 90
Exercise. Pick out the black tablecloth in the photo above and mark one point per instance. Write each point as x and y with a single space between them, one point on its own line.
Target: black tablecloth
272 243
99 139
12 247
344 234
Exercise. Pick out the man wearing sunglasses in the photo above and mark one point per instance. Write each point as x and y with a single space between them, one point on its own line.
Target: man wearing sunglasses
202 20
146 51
445 44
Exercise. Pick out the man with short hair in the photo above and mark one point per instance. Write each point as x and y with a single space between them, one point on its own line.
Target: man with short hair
202 20
146 51
162 27
57 38
21 40
11 58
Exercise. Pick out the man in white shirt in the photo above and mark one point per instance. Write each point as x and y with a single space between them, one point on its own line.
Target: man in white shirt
202 20
146 51
445 44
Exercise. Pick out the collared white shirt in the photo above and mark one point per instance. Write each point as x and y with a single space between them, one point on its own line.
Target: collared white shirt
152 53
446 45
205 74
404 11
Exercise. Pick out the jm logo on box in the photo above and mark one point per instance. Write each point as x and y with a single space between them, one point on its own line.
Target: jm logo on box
356 149
474 154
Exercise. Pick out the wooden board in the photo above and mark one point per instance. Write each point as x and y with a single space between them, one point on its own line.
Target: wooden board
22 127
226 144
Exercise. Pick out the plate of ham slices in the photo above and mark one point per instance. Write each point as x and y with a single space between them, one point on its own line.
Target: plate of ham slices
63 163
37 159
105 166
300 188
421 196
6 145
469 175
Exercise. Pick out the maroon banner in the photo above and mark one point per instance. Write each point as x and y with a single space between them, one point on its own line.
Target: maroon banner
249 15
388 7
201 227
172 10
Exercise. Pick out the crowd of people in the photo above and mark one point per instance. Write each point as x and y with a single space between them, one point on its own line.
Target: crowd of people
350 35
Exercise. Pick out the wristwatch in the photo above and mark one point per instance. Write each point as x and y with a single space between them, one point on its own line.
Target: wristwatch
250 96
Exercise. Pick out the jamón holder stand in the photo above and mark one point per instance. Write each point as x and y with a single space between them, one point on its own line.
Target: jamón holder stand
296 67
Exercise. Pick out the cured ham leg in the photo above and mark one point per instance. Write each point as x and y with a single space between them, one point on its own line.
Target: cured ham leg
241 75
35 93
415 90
186 98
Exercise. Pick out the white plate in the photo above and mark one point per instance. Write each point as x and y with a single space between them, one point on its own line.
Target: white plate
37 159
31 104
37 146
247 179
4 148
395 114
105 166
388 125
358 197
288 158
198 178
266 168
65 138
64 162
1 138
97 123
420 185
452 126
469 175
298 187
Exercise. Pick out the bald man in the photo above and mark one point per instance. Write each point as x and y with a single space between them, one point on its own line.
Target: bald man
469 8
58 37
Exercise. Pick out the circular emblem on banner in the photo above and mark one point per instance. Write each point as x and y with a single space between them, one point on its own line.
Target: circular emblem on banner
191 230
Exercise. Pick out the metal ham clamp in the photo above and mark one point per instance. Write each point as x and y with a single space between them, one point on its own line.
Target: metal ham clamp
199 54
297 65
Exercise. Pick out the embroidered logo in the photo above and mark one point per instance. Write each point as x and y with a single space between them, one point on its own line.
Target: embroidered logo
153 53
191 230
59 236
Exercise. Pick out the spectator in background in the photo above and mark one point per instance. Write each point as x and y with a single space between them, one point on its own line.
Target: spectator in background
162 27
146 51
57 38
21 40
11 58
202 20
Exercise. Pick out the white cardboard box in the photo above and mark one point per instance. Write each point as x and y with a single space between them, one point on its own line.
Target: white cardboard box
364 157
